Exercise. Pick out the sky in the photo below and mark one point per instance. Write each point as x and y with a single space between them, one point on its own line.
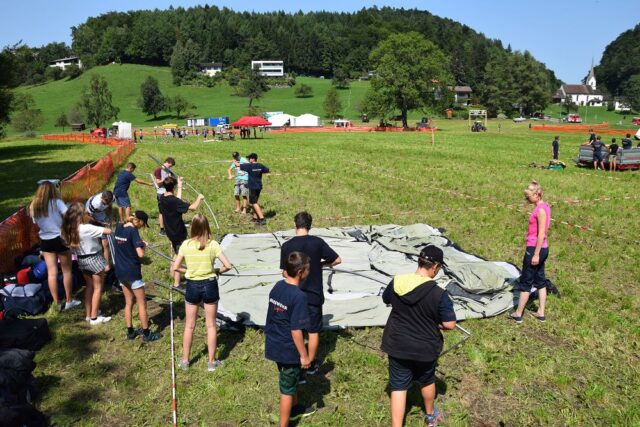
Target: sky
566 35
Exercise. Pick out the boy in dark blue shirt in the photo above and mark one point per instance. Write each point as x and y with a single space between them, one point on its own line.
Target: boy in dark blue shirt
555 147
121 190
255 171
287 317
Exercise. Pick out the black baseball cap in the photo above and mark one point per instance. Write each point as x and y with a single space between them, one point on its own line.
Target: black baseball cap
432 253
142 216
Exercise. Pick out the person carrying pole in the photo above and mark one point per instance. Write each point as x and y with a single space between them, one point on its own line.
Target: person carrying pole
255 171
420 309
159 174
240 189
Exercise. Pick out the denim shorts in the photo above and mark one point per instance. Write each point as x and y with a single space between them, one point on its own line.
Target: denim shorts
403 372
123 201
202 291
136 284
533 275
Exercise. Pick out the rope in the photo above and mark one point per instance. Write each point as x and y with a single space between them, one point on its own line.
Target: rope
174 401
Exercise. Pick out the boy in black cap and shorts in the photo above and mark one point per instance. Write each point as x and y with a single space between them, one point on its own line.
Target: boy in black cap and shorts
412 337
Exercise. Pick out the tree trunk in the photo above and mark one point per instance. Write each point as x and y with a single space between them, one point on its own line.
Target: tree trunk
404 119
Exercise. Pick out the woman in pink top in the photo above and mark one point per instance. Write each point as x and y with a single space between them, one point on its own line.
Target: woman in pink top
536 252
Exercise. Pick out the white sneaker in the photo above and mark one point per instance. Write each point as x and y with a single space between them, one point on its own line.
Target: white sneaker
99 319
87 318
72 304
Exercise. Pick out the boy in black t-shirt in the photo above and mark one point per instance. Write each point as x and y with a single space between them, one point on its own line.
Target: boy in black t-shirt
555 147
287 317
172 207
255 171
320 255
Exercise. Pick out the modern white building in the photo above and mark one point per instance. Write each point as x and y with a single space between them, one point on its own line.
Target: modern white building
65 62
581 94
269 68
210 68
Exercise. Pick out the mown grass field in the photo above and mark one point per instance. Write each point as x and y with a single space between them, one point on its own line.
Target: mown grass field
125 80
579 368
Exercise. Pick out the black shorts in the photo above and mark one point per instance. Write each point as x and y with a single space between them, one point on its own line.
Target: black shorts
315 319
598 156
55 245
532 275
254 195
175 244
403 372
205 291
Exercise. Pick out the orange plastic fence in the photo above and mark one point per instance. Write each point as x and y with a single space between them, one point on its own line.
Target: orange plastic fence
582 129
18 233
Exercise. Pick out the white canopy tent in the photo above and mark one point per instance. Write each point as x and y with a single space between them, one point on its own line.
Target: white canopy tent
280 120
308 120
124 129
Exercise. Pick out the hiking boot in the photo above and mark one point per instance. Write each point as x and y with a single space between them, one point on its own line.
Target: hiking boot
184 365
433 419
71 304
151 336
300 411
314 368
135 333
212 366
98 320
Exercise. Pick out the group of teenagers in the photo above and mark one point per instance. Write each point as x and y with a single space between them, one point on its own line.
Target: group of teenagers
412 337
598 155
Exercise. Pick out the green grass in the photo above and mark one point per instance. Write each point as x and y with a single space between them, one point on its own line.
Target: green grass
593 115
25 161
124 81
579 368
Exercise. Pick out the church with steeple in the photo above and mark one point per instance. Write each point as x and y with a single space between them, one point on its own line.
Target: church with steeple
586 93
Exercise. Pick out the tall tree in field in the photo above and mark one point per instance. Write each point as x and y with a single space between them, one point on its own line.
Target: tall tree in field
26 117
179 104
332 104
410 73
253 87
62 121
97 103
151 100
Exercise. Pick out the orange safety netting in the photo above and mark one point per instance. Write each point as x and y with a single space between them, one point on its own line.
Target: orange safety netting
599 129
18 233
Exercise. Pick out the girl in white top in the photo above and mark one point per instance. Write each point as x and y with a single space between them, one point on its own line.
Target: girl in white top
46 210
84 239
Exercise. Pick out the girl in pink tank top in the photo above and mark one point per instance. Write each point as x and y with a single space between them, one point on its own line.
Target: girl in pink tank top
536 253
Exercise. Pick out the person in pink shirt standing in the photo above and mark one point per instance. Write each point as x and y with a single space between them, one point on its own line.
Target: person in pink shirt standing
536 253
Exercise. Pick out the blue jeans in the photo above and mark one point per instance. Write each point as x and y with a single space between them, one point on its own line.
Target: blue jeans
202 291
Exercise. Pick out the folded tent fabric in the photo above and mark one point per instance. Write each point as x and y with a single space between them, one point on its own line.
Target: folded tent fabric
479 288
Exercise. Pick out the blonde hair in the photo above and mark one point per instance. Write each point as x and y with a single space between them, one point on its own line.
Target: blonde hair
534 188
200 230
70 229
45 194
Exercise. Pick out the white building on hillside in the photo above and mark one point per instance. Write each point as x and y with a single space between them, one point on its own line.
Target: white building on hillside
581 94
210 68
269 68
65 62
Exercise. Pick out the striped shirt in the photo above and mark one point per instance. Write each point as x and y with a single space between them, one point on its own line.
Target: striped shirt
199 262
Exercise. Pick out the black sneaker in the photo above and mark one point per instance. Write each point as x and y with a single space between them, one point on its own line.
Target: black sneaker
314 368
302 379
300 411
133 335
162 232
151 336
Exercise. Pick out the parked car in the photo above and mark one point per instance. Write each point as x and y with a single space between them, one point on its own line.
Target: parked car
519 119
635 121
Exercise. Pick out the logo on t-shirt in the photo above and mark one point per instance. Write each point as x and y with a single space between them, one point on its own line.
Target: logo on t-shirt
278 306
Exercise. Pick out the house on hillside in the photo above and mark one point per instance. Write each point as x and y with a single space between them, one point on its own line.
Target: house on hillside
268 68
65 62
462 95
621 104
581 94
210 68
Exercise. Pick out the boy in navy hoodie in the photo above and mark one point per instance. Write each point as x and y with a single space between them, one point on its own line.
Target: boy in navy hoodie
287 317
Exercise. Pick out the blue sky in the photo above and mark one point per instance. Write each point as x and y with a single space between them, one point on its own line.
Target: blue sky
563 34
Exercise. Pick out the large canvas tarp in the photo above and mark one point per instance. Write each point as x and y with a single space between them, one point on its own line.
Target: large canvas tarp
371 256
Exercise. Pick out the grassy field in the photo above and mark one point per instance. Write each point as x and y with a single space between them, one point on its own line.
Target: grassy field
596 115
25 161
125 80
580 368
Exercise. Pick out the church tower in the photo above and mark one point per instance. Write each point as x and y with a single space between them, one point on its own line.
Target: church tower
591 78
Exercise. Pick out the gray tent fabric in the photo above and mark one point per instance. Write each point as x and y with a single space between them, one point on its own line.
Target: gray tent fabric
371 256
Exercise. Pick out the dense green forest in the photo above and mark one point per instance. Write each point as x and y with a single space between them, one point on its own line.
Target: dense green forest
619 69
